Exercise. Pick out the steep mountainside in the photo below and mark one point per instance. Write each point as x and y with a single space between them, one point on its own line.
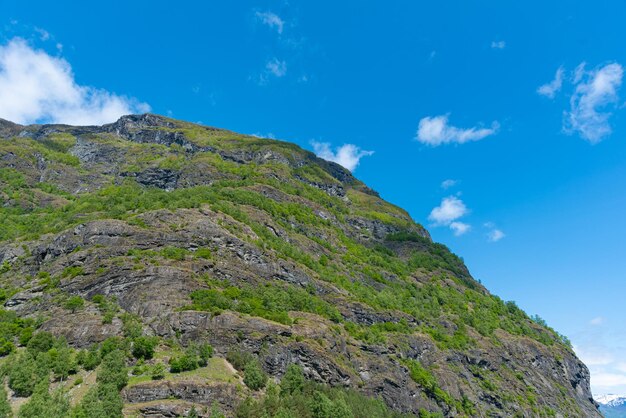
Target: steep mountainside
173 236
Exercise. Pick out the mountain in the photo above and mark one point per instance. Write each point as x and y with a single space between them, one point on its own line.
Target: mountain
167 269
612 406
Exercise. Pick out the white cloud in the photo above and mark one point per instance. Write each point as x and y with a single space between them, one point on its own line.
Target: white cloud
276 67
553 87
272 20
43 34
450 209
495 234
593 355
579 72
36 87
435 131
498 44
597 321
602 349
263 136
608 379
347 155
446 184
459 228
595 91
621 367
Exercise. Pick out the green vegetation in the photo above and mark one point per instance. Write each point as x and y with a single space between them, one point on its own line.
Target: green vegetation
297 397
74 303
196 355
429 384
143 347
254 376
14 331
403 283
5 407
270 301
45 404
46 358
104 399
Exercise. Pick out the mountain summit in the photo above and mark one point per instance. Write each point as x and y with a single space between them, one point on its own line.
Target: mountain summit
198 270
612 406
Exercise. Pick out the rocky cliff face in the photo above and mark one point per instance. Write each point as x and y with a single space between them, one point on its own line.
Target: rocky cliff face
257 245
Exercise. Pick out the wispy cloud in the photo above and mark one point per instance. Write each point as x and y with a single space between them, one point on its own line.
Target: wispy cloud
498 44
435 131
347 155
598 320
276 67
37 87
44 35
494 234
446 184
272 20
550 89
595 94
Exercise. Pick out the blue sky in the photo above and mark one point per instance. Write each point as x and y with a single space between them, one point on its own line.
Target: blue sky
420 92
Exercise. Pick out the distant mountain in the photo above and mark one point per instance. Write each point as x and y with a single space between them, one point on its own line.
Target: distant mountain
612 406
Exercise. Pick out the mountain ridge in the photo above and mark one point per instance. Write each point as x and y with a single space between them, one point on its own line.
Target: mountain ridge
611 405
204 235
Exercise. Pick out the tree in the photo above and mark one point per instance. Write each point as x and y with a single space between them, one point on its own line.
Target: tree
89 359
143 347
102 401
22 377
204 352
113 370
74 303
293 380
62 361
43 404
322 406
40 342
5 407
341 409
6 346
254 377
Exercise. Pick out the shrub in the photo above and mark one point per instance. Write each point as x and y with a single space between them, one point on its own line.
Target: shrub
183 363
143 347
239 359
254 377
74 303
73 271
157 372
6 347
